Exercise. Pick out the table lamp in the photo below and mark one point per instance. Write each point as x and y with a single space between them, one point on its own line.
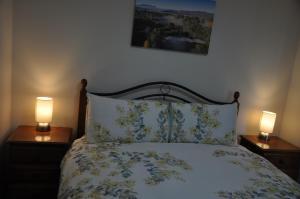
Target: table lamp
267 122
43 113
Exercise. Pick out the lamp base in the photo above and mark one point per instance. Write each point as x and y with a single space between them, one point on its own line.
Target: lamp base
43 128
264 136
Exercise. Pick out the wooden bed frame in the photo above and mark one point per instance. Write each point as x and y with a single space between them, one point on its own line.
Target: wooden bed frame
167 91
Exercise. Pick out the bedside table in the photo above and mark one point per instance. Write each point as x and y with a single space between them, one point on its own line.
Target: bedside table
282 154
33 162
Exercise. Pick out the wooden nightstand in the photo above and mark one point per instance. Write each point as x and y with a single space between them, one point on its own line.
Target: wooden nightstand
33 162
282 154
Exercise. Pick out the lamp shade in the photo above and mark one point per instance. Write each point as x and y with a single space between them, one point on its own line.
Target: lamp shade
267 122
43 109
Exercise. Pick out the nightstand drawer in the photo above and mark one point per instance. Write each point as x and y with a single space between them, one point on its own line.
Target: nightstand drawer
32 191
20 173
36 155
284 161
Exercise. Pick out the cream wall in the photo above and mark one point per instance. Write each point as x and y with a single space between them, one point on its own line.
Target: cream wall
58 42
291 126
5 66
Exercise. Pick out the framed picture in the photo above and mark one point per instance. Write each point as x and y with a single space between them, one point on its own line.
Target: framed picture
179 25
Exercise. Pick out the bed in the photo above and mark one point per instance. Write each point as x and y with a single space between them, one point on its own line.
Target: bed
161 146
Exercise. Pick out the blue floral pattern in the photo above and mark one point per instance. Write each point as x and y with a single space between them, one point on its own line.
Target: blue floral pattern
158 170
126 121
268 184
202 123
106 157
177 133
130 121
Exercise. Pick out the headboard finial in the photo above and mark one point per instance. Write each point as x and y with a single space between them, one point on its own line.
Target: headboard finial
236 99
83 83
236 96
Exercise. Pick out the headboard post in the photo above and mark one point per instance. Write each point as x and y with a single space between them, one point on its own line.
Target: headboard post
82 109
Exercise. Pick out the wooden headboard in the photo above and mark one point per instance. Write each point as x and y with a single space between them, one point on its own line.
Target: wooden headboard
160 90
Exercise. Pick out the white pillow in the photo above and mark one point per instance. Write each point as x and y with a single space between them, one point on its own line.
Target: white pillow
203 123
126 120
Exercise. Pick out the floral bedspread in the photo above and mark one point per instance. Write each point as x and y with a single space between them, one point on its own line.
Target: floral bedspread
170 171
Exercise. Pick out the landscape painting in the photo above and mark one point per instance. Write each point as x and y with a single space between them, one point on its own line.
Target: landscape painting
179 25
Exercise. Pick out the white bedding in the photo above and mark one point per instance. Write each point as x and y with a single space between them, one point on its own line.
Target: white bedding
170 171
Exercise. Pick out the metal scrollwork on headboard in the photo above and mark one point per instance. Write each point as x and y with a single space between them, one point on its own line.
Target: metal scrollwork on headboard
165 89
168 91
